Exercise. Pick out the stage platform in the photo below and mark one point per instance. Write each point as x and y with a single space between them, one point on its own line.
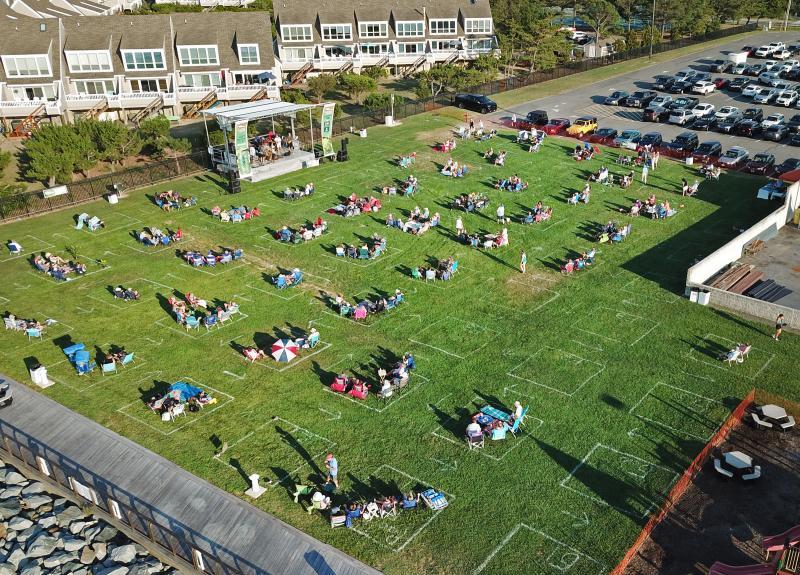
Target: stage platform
299 160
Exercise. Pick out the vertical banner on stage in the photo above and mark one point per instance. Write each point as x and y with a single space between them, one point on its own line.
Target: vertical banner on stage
327 128
242 148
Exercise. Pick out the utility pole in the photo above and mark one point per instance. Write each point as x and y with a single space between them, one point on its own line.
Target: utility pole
653 29
786 19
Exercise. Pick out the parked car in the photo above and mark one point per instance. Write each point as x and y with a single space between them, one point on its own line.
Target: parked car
763 51
786 98
751 90
661 82
771 65
734 157
685 142
765 96
755 69
707 152
748 50
769 78
793 48
787 165
781 54
737 84
739 69
756 114
727 111
783 67
720 66
729 125
583 126
680 86
721 83
628 139
775 133
655 114
475 102
703 109
705 123
794 140
556 126
651 140
681 117
794 123
760 163
640 99
662 100
773 120
684 103
616 98
749 128
685 74
536 119
784 86
793 74
6 397
603 136
703 87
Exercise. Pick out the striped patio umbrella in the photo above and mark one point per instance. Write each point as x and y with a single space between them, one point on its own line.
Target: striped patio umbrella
284 350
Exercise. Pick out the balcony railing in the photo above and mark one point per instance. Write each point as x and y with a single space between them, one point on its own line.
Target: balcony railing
17 108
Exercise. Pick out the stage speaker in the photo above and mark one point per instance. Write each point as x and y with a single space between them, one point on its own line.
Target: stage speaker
341 156
234 183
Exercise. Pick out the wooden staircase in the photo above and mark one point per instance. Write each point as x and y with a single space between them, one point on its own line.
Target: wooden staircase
95 110
383 62
208 100
346 67
300 75
28 124
155 106
452 57
260 95
414 67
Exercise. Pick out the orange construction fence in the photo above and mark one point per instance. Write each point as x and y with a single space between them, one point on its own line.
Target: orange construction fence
688 476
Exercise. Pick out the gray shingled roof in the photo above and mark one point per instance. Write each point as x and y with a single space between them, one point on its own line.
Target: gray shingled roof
25 36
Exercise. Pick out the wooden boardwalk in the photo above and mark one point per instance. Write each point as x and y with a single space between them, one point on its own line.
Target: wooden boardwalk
201 515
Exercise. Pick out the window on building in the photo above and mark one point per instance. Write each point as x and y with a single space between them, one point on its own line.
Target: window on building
298 54
337 32
144 59
480 45
99 61
444 45
22 93
43 467
407 29
478 26
411 48
375 49
94 86
338 51
27 66
201 80
442 26
149 85
296 33
197 55
248 54
373 29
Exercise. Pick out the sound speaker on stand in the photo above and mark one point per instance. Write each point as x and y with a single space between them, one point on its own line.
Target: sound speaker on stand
234 183
341 156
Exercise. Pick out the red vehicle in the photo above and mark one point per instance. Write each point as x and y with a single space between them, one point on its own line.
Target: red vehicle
556 126
721 83
603 136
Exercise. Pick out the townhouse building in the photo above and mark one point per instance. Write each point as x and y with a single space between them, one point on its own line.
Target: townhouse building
344 35
131 67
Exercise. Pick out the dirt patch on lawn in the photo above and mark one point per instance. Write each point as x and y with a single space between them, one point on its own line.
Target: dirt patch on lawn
725 520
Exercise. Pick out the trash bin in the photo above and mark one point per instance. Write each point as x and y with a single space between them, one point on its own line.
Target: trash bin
689 160
363 132
113 198
796 217
693 295
39 375
703 297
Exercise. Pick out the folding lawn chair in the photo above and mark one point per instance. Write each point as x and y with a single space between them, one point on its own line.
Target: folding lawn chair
33 333
128 358
109 368
475 442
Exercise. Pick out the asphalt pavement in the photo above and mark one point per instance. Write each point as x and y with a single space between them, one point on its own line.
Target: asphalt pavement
585 101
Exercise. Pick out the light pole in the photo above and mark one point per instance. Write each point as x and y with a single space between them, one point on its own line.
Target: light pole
786 19
653 29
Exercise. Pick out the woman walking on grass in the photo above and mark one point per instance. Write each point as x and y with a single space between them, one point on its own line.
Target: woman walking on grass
523 261
779 323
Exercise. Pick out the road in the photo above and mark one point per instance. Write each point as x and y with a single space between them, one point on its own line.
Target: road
585 101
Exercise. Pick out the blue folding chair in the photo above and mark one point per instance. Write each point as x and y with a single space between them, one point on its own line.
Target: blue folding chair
128 358
109 368
33 332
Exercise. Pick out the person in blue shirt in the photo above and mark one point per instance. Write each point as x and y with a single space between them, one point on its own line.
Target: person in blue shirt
332 466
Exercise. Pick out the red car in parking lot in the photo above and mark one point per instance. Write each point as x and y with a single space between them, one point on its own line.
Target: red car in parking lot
603 136
556 126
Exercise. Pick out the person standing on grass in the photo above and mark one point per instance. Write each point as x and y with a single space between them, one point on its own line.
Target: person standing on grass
513 120
459 226
645 171
779 323
501 214
655 158
332 467
523 261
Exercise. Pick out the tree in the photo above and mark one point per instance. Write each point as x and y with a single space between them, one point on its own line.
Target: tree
381 101
54 153
154 134
321 85
154 128
5 160
376 72
112 140
440 77
357 85
601 16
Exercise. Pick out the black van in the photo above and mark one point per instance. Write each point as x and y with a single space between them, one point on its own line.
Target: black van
685 142
536 119
475 102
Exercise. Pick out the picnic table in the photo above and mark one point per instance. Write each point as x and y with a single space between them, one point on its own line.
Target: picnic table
774 411
495 413
738 460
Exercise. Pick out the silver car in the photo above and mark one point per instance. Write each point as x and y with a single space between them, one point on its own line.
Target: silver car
733 157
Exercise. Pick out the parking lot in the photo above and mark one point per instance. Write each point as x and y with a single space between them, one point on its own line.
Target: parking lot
587 101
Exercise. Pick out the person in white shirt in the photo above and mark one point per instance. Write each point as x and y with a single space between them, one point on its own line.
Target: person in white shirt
474 428
517 410
501 213
459 226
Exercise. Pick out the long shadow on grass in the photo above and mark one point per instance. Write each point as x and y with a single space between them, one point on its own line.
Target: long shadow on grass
290 440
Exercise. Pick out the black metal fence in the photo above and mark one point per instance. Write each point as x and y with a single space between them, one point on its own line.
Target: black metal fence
368 118
32 203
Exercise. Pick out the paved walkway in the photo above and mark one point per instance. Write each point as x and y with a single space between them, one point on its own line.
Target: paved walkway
213 521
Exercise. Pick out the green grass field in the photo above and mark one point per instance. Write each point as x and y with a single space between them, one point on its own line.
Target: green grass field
619 371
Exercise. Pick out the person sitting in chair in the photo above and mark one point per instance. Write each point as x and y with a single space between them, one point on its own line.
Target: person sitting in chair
474 428
410 501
